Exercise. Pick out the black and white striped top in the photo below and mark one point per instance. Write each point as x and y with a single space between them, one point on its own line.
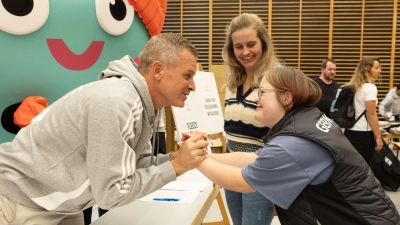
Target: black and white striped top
243 132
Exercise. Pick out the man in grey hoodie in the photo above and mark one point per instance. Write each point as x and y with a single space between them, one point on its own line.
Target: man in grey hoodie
390 106
92 146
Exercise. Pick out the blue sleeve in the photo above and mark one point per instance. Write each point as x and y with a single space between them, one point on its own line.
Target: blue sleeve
285 166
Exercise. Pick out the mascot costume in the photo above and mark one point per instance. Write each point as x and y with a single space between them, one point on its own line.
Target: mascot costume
51 47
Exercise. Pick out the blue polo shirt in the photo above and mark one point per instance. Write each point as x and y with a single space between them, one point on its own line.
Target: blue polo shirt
286 165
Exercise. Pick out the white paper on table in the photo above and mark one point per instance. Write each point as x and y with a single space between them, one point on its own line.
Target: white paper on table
183 196
185 186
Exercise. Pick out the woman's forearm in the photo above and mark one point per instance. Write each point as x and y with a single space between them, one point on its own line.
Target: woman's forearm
373 122
226 176
237 159
372 117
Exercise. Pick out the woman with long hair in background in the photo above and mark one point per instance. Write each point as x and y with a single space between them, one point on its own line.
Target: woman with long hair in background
365 135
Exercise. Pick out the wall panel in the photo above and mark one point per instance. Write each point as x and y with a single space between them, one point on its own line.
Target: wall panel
346 38
314 43
304 32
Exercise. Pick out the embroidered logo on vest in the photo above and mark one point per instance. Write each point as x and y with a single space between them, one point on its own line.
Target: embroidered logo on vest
324 123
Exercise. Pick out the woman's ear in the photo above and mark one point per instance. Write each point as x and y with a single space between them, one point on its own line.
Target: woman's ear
288 98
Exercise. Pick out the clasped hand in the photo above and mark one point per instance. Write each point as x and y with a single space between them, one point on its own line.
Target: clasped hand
191 153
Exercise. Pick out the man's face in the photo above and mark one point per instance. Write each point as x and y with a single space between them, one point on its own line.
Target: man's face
178 80
329 72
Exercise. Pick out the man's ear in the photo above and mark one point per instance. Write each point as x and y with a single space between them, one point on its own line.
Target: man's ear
157 69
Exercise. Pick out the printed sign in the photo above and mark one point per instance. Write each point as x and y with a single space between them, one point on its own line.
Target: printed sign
202 110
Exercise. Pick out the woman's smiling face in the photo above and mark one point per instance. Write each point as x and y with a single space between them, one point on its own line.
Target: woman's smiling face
269 109
247 47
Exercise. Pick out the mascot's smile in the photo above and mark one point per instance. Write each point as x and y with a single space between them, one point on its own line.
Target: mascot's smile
65 57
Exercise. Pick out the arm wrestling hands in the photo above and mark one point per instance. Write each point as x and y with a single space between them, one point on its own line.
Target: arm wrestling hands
191 153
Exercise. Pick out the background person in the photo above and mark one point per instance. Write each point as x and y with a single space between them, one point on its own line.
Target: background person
248 52
307 168
365 135
327 84
93 145
390 105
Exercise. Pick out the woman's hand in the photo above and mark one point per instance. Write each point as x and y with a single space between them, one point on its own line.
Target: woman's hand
379 144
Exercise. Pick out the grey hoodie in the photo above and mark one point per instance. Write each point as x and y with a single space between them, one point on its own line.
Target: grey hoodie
90 146
390 104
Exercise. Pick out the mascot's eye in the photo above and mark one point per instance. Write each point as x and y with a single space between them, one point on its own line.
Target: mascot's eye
23 16
115 16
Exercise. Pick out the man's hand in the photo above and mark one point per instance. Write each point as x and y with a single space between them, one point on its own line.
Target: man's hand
191 153
386 117
187 135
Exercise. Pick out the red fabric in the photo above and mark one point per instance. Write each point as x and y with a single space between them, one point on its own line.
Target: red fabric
28 109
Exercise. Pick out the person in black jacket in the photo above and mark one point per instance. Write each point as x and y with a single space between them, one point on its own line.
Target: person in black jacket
327 84
307 167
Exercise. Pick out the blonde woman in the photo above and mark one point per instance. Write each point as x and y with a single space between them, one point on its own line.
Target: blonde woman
365 135
248 52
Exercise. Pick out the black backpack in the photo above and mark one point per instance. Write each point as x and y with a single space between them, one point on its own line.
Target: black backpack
386 168
342 109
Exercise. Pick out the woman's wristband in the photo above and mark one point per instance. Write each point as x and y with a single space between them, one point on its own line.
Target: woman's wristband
378 138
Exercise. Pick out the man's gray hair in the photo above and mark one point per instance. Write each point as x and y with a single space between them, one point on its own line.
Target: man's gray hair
165 47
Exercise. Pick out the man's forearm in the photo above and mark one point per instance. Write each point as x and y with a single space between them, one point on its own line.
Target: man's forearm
179 170
383 105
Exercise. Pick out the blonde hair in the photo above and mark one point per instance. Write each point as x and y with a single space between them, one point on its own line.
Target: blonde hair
237 71
305 91
362 73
